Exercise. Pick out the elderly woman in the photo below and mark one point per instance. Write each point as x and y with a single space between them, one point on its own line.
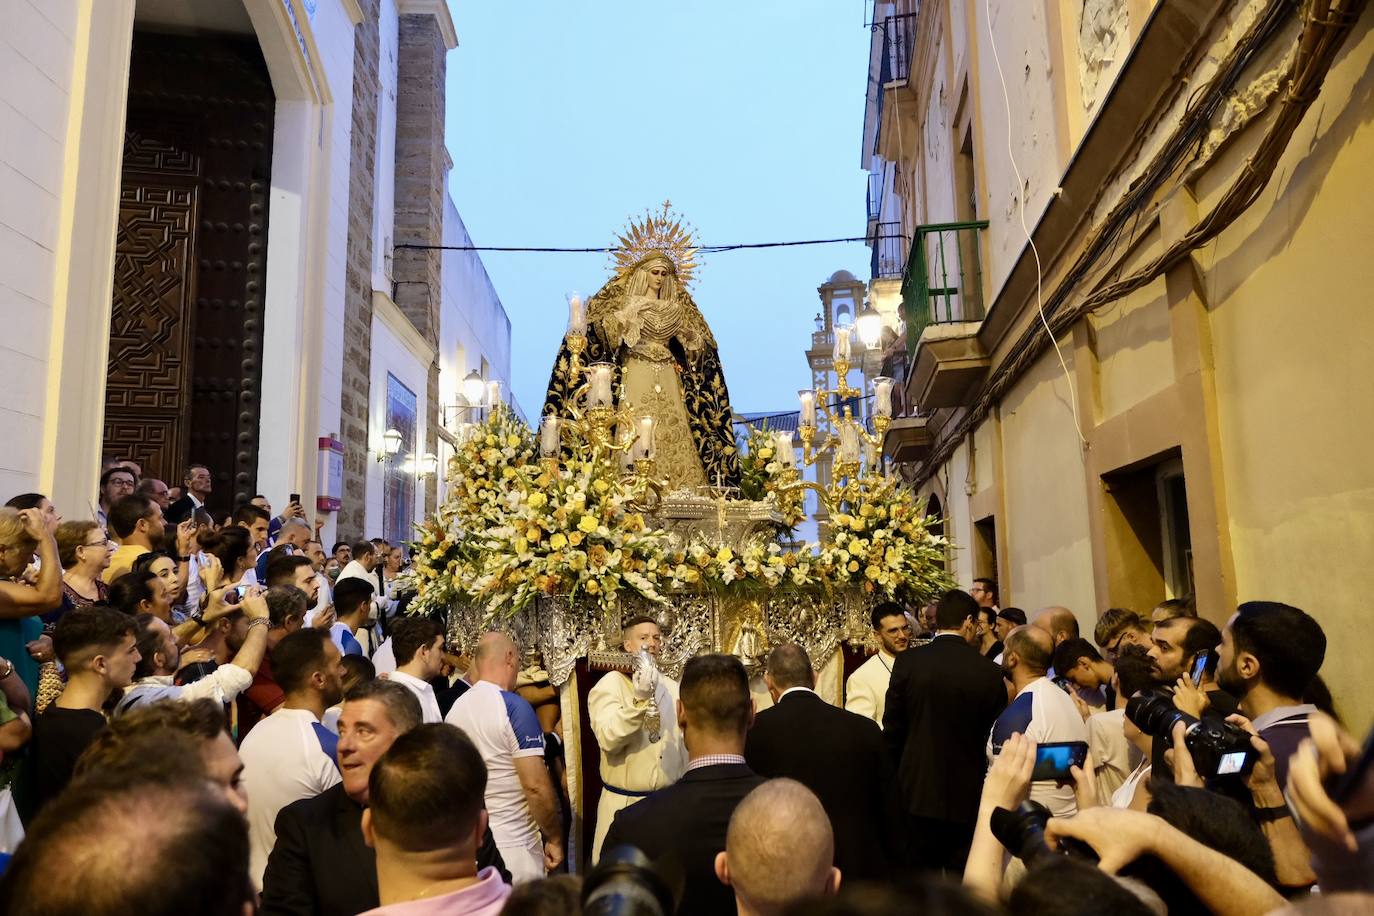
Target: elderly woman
84 551
24 597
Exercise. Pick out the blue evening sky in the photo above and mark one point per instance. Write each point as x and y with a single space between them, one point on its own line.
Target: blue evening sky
565 118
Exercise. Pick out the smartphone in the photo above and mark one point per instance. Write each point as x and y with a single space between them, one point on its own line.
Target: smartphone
295 498
1200 667
1064 684
1053 760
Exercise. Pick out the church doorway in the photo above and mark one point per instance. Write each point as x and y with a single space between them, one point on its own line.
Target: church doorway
183 381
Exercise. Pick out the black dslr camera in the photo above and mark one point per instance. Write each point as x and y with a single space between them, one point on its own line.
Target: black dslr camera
1022 832
1218 748
625 882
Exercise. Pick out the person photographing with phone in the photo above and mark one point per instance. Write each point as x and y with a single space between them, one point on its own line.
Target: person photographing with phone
1040 711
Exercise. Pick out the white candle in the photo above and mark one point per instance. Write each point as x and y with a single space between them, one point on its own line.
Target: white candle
645 442
782 445
849 443
871 458
599 384
493 393
548 437
577 315
882 396
808 406
842 341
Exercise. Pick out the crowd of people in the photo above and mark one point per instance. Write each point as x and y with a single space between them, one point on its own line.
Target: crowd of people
217 715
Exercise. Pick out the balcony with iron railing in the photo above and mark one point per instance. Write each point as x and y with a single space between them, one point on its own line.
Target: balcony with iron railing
889 252
942 304
898 36
875 200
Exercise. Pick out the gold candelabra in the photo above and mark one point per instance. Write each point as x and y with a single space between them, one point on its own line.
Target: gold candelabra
602 427
846 437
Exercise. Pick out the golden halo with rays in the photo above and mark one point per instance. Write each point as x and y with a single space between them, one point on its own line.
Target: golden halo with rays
665 233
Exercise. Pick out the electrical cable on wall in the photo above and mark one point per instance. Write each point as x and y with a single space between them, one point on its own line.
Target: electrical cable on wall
1021 210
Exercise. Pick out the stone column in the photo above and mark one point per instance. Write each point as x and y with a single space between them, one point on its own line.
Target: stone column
420 174
357 361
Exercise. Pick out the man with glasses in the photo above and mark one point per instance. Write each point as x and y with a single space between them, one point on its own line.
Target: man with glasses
984 591
865 692
1118 627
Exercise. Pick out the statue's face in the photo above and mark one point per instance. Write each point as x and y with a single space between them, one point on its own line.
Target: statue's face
657 274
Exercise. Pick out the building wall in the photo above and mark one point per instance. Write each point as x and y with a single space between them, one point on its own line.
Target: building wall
1295 388
1247 362
37 58
1022 45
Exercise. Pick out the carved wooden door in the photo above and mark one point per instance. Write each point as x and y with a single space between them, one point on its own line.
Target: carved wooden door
185 373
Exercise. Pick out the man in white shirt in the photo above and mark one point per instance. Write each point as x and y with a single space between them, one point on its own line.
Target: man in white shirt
638 756
1041 711
161 660
519 795
865 692
289 755
366 564
419 646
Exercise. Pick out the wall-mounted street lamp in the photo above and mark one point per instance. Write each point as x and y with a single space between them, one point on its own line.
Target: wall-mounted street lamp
391 444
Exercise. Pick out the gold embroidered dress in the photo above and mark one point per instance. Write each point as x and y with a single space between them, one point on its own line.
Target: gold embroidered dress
667 366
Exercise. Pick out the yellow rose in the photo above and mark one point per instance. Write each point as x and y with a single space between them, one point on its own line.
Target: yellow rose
765 454
491 440
587 524
558 542
508 473
593 587
856 524
853 566
513 440
521 545
873 572
724 555
534 533
537 500
602 486
575 537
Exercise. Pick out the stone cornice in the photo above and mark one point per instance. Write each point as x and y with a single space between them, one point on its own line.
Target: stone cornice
436 8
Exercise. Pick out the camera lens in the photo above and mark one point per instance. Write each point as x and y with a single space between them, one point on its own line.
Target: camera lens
1022 831
1155 714
625 882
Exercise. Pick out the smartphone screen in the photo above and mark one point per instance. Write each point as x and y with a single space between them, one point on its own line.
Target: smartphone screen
1052 761
295 497
1199 667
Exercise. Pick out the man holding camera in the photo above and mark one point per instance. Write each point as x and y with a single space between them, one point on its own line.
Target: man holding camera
638 754
1270 653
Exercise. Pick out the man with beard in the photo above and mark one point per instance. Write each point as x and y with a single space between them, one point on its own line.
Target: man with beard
1175 646
289 755
1270 653
865 692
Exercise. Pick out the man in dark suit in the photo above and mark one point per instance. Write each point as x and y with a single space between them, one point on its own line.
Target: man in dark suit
199 483
683 826
320 865
836 754
941 703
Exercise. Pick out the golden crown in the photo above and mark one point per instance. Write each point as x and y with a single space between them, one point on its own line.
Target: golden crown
665 234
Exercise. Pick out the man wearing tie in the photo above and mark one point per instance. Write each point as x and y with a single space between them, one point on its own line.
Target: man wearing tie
635 723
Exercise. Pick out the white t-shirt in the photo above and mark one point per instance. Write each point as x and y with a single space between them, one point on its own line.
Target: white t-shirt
286 757
503 726
1043 713
429 703
384 659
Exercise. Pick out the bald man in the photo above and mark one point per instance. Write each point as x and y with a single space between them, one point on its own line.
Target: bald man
778 849
1057 621
1041 710
521 803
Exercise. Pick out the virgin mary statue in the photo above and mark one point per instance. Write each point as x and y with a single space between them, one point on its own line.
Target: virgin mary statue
645 322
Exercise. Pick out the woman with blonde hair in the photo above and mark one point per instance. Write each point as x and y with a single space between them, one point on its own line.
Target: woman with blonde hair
23 597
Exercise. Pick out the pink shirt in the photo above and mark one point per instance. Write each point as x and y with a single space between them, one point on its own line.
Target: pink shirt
485 898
